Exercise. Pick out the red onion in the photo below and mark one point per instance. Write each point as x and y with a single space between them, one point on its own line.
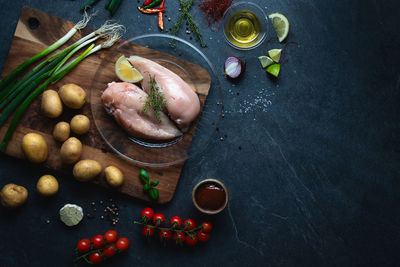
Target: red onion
234 67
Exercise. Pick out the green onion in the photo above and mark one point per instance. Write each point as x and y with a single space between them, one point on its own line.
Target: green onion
24 89
106 30
17 71
11 92
53 69
21 110
6 91
37 78
73 52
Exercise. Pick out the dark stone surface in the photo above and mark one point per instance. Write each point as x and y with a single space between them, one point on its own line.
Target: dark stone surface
316 181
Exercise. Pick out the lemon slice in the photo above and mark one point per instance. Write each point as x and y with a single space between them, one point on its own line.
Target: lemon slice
275 54
126 72
274 69
265 61
280 24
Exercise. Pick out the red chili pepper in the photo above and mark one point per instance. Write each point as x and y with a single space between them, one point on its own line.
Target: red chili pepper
147 2
151 10
160 17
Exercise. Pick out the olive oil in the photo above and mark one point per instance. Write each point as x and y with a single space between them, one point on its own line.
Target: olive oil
243 29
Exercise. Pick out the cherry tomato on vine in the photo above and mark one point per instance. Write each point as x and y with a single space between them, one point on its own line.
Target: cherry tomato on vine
147 214
203 236
147 231
175 222
98 241
158 219
191 240
165 235
111 236
83 245
179 237
95 258
189 224
122 244
109 251
207 226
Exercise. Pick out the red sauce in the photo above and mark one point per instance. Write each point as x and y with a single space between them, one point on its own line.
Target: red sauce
210 196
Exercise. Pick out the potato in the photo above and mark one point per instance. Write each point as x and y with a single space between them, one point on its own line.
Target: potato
47 185
51 105
12 195
80 124
72 95
71 150
34 147
61 131
114 176
86 170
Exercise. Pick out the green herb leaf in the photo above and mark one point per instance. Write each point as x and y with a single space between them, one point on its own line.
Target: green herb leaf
155 99
184 13
146 187
154 194
195 29
154 183
144 176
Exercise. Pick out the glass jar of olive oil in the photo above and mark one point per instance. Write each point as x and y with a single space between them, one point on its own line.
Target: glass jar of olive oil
244 25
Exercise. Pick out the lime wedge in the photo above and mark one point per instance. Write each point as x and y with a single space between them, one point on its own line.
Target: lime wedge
265 61
274 69
275 54
126 72
280 24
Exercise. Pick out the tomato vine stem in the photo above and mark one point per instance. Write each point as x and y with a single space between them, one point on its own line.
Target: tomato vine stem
190 232
96 250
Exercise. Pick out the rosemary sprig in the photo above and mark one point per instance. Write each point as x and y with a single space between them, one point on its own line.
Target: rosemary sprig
155 99
184 10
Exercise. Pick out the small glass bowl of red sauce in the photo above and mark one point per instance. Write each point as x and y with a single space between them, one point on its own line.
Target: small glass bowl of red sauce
210 196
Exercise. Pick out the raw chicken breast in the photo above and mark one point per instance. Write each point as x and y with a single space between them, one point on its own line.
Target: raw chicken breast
125 101
183 104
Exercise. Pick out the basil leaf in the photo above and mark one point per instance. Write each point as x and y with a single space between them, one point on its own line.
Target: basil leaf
154 194
144 176
146 187
154 183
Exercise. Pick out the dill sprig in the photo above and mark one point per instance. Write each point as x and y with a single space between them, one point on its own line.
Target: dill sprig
155 99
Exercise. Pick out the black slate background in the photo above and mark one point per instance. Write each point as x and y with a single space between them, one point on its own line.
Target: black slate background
316 181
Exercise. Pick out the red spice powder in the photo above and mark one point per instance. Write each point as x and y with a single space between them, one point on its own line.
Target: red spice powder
214 9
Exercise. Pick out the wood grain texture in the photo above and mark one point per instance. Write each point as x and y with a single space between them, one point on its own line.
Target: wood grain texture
92 74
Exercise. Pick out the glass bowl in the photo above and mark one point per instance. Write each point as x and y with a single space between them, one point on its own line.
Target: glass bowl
248 10
192 66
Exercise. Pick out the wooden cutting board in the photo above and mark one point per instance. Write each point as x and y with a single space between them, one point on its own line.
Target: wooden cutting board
93 74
